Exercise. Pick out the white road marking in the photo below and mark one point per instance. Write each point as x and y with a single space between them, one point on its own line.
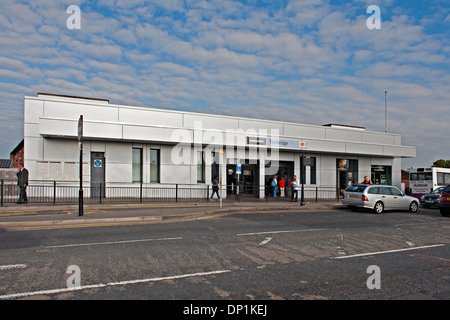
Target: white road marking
265 241
410 243
13 266
276 232
109 284
387 251
110 242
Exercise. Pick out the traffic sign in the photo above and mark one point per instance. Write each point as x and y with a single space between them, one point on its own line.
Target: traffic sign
238 168
80 128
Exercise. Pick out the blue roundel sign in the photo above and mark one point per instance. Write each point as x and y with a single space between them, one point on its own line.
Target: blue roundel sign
97 163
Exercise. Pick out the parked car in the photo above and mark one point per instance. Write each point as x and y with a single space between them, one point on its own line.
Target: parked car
444 202
431 199
378 198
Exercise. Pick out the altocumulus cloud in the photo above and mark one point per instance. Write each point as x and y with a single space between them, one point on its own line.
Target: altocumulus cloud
311 61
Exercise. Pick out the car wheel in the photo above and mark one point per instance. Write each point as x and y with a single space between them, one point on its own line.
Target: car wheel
379 207
413 207
445 213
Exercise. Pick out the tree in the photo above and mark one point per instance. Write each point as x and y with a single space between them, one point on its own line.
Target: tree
441 163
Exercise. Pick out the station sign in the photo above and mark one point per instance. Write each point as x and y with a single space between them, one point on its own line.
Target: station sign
270 142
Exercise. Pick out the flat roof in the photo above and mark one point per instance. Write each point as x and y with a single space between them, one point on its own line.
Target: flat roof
68 96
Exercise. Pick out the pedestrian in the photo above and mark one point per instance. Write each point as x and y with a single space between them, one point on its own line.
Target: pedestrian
274 185
295 188
215 188
282 185
22 181
367 180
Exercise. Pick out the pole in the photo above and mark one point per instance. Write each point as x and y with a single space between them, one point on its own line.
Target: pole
220 176
385 111
302 176
80 139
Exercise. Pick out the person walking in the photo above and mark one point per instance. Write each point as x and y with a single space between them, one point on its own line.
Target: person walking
22 181
295 188
215 188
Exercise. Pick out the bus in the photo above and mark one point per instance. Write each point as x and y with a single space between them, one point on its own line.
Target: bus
424 180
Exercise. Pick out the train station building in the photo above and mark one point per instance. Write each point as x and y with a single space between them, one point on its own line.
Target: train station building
128 145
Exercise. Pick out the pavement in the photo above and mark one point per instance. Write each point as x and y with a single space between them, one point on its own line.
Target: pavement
32 216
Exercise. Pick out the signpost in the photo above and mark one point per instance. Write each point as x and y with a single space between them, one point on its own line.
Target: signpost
80 142
238 172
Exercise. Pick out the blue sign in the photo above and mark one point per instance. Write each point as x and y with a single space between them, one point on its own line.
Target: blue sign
238 168
97 163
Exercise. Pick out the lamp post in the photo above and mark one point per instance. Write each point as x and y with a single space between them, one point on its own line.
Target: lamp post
220 176
80 141
385 111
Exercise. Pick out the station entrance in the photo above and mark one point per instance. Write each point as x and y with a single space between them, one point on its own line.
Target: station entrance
248 180
347 174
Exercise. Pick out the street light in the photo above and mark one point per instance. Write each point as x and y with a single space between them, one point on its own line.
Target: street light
385 111
220 176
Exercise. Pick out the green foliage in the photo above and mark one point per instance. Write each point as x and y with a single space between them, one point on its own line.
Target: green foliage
441 163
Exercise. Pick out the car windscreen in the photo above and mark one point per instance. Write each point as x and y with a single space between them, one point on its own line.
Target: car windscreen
359 189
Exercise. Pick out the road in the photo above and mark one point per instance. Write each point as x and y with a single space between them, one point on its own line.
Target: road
320 254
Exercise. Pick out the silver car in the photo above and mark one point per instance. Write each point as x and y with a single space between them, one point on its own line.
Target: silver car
378 198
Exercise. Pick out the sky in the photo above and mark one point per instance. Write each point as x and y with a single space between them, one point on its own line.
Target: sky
313 62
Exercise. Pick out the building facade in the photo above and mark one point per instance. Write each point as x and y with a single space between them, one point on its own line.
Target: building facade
127 146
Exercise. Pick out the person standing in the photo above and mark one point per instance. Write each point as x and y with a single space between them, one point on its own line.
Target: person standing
22 181
215 187
282 184
367 180
274 185
295 188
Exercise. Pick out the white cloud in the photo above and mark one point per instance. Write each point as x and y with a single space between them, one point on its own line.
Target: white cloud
308 61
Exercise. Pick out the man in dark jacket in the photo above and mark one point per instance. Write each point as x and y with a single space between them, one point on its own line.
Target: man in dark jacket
22 181
215 188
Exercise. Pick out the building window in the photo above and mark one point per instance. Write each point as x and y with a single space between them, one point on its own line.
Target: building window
154 165
382 175
137 164
200 167
313 179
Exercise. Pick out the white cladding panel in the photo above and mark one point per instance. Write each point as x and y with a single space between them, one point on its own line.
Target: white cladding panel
67 110
150 117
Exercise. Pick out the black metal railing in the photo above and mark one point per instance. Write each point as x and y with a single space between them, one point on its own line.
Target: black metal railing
54 192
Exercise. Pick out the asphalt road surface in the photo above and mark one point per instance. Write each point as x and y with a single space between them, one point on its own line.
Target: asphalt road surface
306 255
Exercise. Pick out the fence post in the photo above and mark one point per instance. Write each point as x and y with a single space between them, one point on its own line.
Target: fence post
100 193
317 194
176 192
54 191
140 192
207 193
1 196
